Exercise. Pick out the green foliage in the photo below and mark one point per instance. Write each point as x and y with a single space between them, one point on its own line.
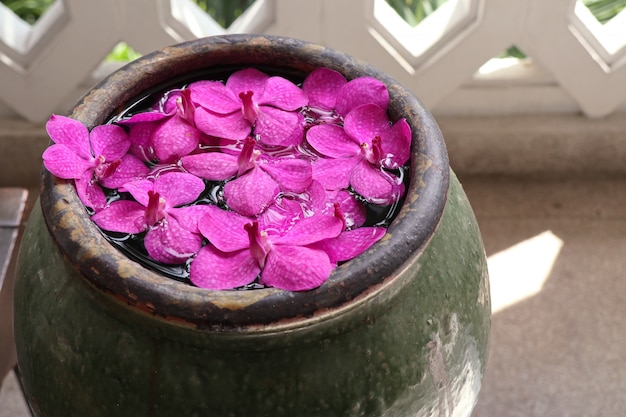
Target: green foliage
122 52
414 11
513 52
224 11
28 10
605 10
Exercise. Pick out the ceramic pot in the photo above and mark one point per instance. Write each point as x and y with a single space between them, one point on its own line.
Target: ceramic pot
402 330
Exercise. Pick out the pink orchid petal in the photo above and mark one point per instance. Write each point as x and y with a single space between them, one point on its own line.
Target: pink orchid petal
90 192
110 141
296 268
140 136
277 127
366 122
332 141
334 174
130 169
123 216
251 193
170 243
353 209
280 217
144 117
292 175
375 185
63 162
139 190
174 139
216 270
318 197
215 96
321 86
178 102
228 126
351 243
178 188
224 229
283 94
189 216
360 91
71 133
310 230
213 166
171 105
249 79
397 144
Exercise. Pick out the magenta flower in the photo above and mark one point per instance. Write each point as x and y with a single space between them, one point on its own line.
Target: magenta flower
221 176
167 133
172 232
260 178
250 102
240 249
351 242
361 153
291 207
93 159
328 90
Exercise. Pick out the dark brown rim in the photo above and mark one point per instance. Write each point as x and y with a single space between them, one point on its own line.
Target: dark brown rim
112 272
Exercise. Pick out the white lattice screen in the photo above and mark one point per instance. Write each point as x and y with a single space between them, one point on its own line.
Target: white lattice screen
575 65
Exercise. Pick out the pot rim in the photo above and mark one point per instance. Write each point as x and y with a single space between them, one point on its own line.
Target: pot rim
112 272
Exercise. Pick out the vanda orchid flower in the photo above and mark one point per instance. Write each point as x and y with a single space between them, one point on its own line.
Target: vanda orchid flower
241 248
329 91
166 133
251 101
250 181
92 159
361 152
172 233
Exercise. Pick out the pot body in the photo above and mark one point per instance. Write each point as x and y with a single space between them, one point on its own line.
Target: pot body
97 335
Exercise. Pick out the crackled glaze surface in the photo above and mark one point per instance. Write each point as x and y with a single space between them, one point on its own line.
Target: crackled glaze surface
401 330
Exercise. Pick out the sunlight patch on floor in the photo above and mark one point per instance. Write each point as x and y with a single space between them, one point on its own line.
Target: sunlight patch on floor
520 271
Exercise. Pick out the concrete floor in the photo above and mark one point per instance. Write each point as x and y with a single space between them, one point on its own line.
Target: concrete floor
557 260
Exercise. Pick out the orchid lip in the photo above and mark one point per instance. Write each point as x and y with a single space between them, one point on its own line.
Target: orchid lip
249 109
259 246
154 211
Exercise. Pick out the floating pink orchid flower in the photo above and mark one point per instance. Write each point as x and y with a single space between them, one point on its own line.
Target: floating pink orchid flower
351 242
250 102
252 178
360 153
260 178
172 232
279 210
329 90
291 207
92 159
167 133
240 249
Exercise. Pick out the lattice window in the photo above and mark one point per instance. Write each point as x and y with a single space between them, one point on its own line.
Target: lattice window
419 39
572 62
21 41
186 19
603 35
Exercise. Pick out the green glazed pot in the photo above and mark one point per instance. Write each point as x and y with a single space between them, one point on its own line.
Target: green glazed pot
402 330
